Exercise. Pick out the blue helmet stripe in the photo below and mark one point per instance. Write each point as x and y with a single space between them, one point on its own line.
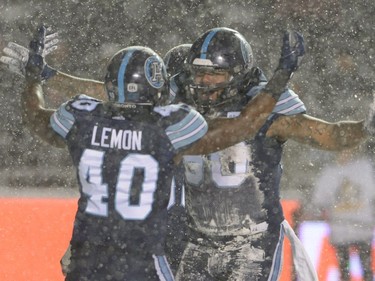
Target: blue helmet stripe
121 76
207 42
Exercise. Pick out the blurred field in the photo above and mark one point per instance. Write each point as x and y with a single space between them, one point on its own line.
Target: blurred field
34 234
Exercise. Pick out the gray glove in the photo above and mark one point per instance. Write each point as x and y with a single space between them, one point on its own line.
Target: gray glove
292 51
15 56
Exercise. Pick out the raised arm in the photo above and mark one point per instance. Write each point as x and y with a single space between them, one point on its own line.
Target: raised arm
70 86
318 133
15 58
34 114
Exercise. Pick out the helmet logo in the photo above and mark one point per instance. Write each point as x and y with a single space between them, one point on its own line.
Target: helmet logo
154 72
132 88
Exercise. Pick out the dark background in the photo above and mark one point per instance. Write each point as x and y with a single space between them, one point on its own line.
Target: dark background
336 80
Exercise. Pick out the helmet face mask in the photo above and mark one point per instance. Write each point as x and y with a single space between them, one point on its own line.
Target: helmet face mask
208 85
136 75
218 51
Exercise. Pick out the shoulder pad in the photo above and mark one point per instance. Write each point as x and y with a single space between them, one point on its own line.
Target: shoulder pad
253 79
183 124
63 119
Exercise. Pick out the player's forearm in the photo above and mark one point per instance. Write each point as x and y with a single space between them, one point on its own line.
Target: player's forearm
225 132
325 135
32 102
35 116
278 83
346 134
71 86
246 125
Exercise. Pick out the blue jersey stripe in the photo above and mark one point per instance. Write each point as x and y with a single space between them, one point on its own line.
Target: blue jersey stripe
188 130
121 76
206 43
57 126
186 122
293 109
187 139
62 121
289 104
162 268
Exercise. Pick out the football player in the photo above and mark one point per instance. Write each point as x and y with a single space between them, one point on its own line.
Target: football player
236 221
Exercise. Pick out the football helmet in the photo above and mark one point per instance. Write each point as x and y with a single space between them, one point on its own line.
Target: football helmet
136 75
217 51
174 59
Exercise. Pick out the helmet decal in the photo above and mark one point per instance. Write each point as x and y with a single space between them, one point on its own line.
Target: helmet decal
154 72
120 77
205 62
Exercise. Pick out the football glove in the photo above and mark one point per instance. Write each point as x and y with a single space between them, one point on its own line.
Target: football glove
36 67
292 51
15 56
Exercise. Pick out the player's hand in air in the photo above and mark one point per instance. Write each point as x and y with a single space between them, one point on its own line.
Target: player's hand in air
292 51
36 66
15 57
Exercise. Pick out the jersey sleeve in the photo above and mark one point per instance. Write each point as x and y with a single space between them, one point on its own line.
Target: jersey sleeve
186 125
62 120
288 104
65 116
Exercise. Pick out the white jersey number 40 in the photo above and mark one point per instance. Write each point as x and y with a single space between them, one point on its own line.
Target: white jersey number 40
90 175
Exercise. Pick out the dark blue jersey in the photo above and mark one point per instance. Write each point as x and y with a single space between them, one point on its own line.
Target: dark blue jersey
236 191
124 160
